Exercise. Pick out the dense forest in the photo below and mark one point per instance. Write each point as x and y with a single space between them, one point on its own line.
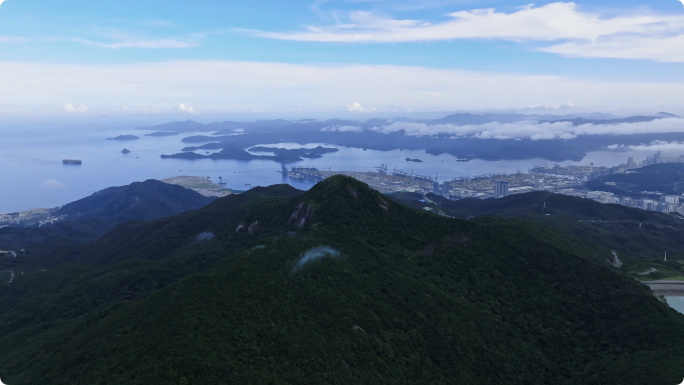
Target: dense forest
638 237
336 285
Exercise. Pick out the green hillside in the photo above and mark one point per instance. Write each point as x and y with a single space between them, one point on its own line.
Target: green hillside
640 238
216 296
85 220
667 178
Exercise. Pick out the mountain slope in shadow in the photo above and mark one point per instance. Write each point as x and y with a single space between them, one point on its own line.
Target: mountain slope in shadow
89 218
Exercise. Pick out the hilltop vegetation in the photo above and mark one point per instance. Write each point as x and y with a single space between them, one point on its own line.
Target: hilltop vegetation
639 237
138 201
211 297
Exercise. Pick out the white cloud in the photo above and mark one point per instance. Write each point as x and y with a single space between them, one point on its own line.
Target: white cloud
565 106
658 145
12 39
648 36
185 109
343 129
2 1
533 130
229 86
71 108
663 49
136 43
356 107
53 184
493 130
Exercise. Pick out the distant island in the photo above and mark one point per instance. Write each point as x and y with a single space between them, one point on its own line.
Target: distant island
163 133
281 155
414 160
382 134
124 137
125 151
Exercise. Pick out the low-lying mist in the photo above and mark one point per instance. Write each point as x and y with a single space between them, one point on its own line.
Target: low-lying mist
314 254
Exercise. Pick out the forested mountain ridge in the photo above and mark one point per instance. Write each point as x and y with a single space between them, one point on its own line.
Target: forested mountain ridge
138 201
639 237
87 219
219 296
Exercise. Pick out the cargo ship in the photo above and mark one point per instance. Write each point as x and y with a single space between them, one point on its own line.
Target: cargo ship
71 161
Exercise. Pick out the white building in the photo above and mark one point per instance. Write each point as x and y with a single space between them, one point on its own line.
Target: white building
649 204
670 199
501 188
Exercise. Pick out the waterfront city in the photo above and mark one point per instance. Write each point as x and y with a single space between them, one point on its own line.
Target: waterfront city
568 180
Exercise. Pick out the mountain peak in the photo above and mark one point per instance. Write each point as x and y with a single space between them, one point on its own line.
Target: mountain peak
342 185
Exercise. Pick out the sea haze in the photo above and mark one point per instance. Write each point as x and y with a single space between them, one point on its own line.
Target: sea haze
35 176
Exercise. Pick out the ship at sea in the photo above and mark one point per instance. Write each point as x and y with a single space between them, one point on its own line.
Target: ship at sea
71 161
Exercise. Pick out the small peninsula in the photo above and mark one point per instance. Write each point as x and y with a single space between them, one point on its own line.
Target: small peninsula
124 137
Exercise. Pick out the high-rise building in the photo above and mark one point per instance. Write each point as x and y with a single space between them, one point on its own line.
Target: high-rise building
630 162
501 188
435 188
445 189
670 199
657 158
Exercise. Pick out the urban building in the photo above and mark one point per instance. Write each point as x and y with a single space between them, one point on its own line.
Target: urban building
648 204
501 188
445 189
670 199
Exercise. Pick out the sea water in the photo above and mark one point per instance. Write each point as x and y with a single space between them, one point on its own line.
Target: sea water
32 174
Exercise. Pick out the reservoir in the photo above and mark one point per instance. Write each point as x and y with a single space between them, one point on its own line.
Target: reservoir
676 302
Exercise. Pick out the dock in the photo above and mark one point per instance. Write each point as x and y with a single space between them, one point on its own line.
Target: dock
201 185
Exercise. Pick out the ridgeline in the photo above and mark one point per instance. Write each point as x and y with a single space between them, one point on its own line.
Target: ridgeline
87 219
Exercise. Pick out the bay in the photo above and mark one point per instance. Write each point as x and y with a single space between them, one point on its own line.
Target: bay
32 174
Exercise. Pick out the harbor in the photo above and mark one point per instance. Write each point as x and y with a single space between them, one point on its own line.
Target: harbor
482 186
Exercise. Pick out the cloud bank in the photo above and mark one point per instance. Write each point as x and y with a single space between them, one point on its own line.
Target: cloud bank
229 86
533 130
658 145
650 36
343 129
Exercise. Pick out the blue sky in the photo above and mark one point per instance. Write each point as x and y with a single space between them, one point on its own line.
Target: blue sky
356 56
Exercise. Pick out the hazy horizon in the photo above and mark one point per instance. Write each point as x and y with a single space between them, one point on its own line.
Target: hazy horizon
338 58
